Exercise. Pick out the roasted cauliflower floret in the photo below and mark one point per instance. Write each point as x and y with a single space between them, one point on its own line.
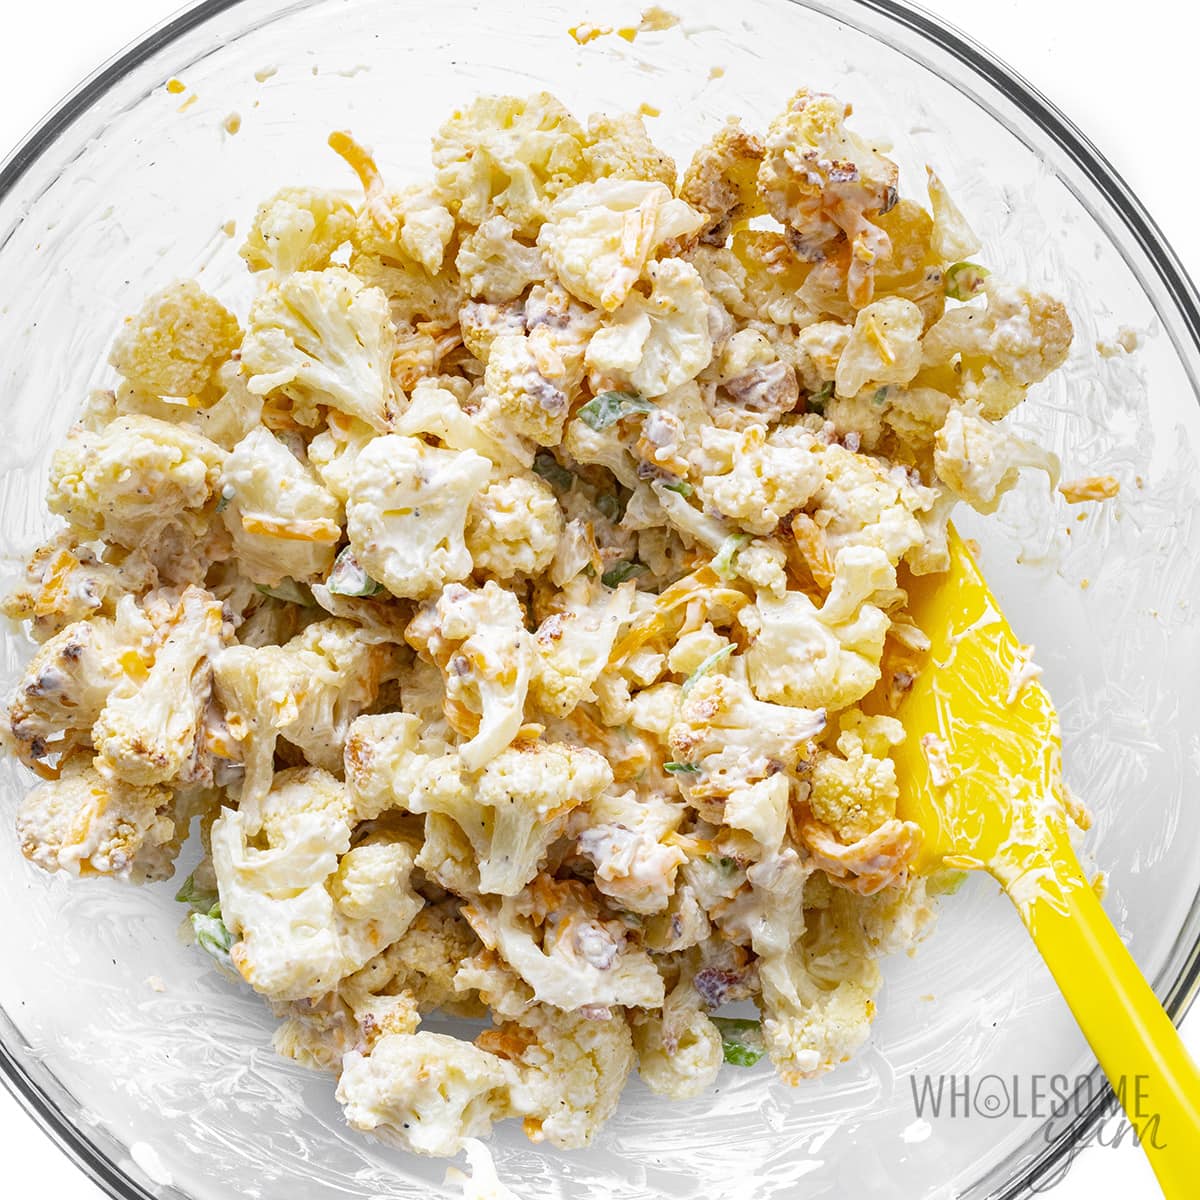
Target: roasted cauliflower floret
657 343
494 265
855 790
134 480
384 758
552 936
679 1051
308 691
86 823
619 147
884 346
513 527
151 730
515 808
64 688
721 180
824 182
507 153
174 346
307 908
572 1070
284 524
979 462
825 657
751 480
628 839
599 237
406 513
525 392
298 229
322 337
426 1092
66 581
477 639
1016 340
573 644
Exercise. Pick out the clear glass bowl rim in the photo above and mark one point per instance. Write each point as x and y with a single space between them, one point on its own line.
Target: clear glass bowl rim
58 1125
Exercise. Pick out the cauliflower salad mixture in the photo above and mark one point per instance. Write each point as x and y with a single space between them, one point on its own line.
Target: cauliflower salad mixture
515 598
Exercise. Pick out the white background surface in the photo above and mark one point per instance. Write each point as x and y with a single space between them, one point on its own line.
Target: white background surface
1127 83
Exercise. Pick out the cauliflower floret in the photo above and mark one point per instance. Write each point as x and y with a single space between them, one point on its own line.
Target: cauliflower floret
420 966
863 502
619 147
507 152
406 512
434 411
478 640
599 237
856 793
657 343
322 337
515 808
308 909
494 265
761 810
526 392
1016 340
979 462
627 838
298 229
884 346
823 181
553 938
513 527
572 1070
283 522
65 686
953 239
825 657
426 1092
88 824
679 1051
601 448
721 180
64 581
134 480
751 480
756 385
308 691
573 645
384 758
150 730
174 346
722 723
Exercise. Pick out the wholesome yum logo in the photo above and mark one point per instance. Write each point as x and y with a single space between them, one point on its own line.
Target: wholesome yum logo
1050 1098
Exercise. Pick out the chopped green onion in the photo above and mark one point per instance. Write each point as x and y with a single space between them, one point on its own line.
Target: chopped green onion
678 768
723 563
608 408
198 899
619 572
964 280
945 882
349 579
213 935
818 400
880 396
552 471
289 591
681 487
724 864
609 506
707 665
227 494
741 1040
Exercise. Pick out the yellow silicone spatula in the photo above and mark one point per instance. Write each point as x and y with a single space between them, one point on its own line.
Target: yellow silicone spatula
980 774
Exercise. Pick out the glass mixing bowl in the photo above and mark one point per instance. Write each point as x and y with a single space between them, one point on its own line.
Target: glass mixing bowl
176 1092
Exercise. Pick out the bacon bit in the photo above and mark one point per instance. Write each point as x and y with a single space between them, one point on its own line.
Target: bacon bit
1089 487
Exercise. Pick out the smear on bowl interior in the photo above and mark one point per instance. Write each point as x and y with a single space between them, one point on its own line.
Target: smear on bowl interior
501 593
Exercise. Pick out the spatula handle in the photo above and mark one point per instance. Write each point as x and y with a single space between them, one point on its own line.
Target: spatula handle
1133 1038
